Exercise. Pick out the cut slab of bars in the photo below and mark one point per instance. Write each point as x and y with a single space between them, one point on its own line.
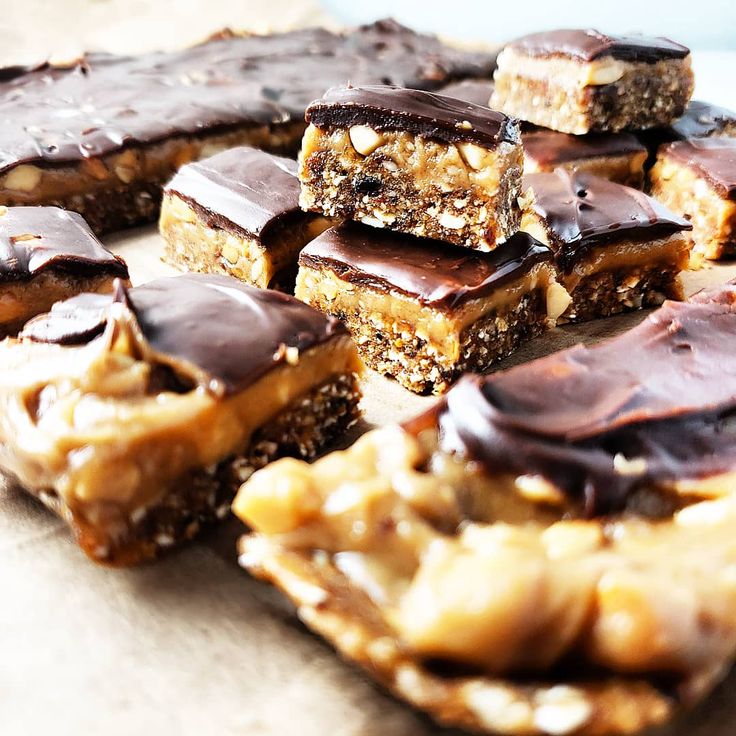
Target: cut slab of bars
414 162
697 178
101 135
578 81
48 254
422 311
505 535
135 416
238 214
618 157
616 248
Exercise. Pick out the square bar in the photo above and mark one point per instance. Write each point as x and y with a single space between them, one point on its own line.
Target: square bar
422 311
48 254
616 248
579 81
414 162
237 213
697 178
136 416
617 157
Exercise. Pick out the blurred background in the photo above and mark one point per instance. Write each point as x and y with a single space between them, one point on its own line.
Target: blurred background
60 29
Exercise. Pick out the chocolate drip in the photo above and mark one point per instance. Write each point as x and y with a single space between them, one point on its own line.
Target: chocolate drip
35 239
714 159
244 187
587 45
233 332
581 211
434 273
653 406
424 114
103 103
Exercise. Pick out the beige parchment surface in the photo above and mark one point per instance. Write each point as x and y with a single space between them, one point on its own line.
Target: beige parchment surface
191 644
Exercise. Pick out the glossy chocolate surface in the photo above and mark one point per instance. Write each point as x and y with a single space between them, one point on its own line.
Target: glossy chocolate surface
580 211
587 45
714 159
232 332
35 239
662 396
242 188
434 273
701 119
549 148
424 114
102 103
477 91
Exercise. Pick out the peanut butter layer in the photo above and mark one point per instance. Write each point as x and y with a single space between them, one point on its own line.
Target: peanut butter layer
578 81
442 169
423 312
110 403
69 130
448 560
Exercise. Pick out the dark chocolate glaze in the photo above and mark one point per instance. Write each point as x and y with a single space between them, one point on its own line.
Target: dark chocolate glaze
424 114
232 332
477 91
587 45
581 211
434 273
714 159
549 148
663 392
251 190
55 115
36 239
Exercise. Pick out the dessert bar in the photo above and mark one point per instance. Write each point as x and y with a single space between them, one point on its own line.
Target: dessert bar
697 178
135 416
618 157
102 134
238 213
578 81
48 254
549 550
424 312
616 248
415 162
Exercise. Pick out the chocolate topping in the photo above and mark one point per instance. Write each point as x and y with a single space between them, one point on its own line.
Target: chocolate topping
35 239
580 211
434 273
701 119
549 148
102 103
477 91
714 159
245 188
662 396
232 332
424 114
587 45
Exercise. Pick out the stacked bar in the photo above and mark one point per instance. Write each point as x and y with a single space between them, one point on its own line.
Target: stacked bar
436 280
136 416
549 550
